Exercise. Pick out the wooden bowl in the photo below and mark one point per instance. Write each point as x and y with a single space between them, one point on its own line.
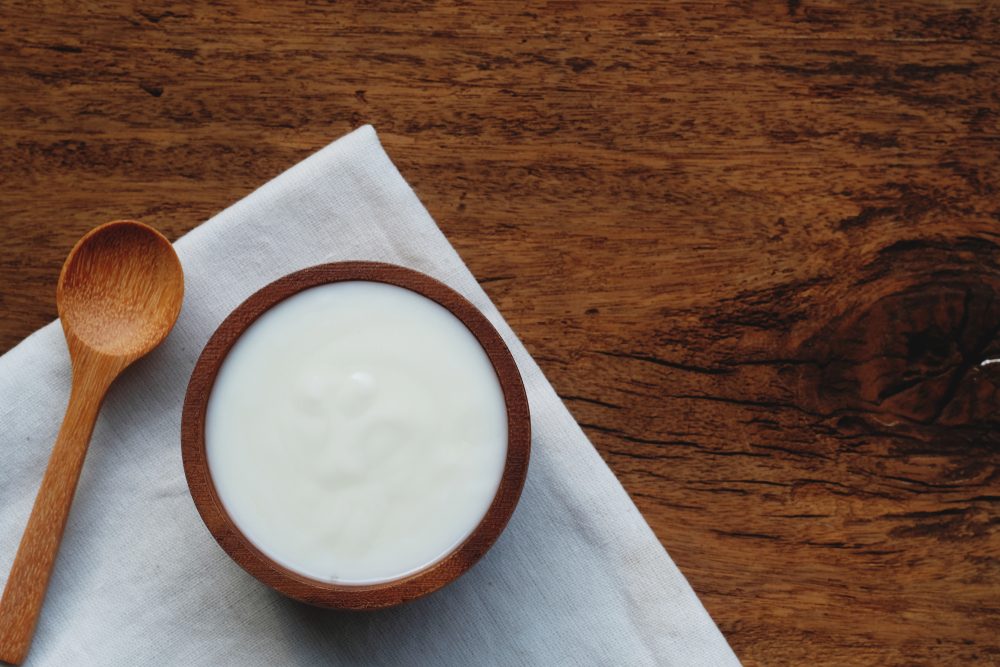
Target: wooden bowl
346 596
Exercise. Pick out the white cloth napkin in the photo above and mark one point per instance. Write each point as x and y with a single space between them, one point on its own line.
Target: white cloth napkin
578 578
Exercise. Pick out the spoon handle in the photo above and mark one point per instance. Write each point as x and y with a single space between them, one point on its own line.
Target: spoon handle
29 577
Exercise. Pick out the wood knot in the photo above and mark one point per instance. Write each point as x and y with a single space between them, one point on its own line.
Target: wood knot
925 351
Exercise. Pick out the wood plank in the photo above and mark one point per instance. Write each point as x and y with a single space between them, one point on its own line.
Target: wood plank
755 246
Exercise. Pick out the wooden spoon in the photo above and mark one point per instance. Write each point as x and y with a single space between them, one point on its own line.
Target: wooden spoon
119 294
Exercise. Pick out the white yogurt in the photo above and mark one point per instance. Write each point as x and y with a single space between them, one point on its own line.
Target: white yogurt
356 432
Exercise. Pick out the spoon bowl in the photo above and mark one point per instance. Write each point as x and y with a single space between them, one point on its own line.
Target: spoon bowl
120 290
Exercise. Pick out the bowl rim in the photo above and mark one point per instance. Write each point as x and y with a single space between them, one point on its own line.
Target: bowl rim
359 596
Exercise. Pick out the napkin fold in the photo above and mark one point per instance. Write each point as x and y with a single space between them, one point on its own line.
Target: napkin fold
578 578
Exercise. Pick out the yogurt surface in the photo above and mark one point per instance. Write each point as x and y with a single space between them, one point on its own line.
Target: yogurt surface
356 432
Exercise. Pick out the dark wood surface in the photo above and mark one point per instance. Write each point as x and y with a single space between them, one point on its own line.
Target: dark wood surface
338 596
755 246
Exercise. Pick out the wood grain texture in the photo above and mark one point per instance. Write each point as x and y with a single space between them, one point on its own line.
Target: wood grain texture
754 246
119 294
339 596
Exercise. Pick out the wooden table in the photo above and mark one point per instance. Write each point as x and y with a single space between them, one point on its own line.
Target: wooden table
755 247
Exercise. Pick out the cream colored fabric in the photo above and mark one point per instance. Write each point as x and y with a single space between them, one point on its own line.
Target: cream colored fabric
578 578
